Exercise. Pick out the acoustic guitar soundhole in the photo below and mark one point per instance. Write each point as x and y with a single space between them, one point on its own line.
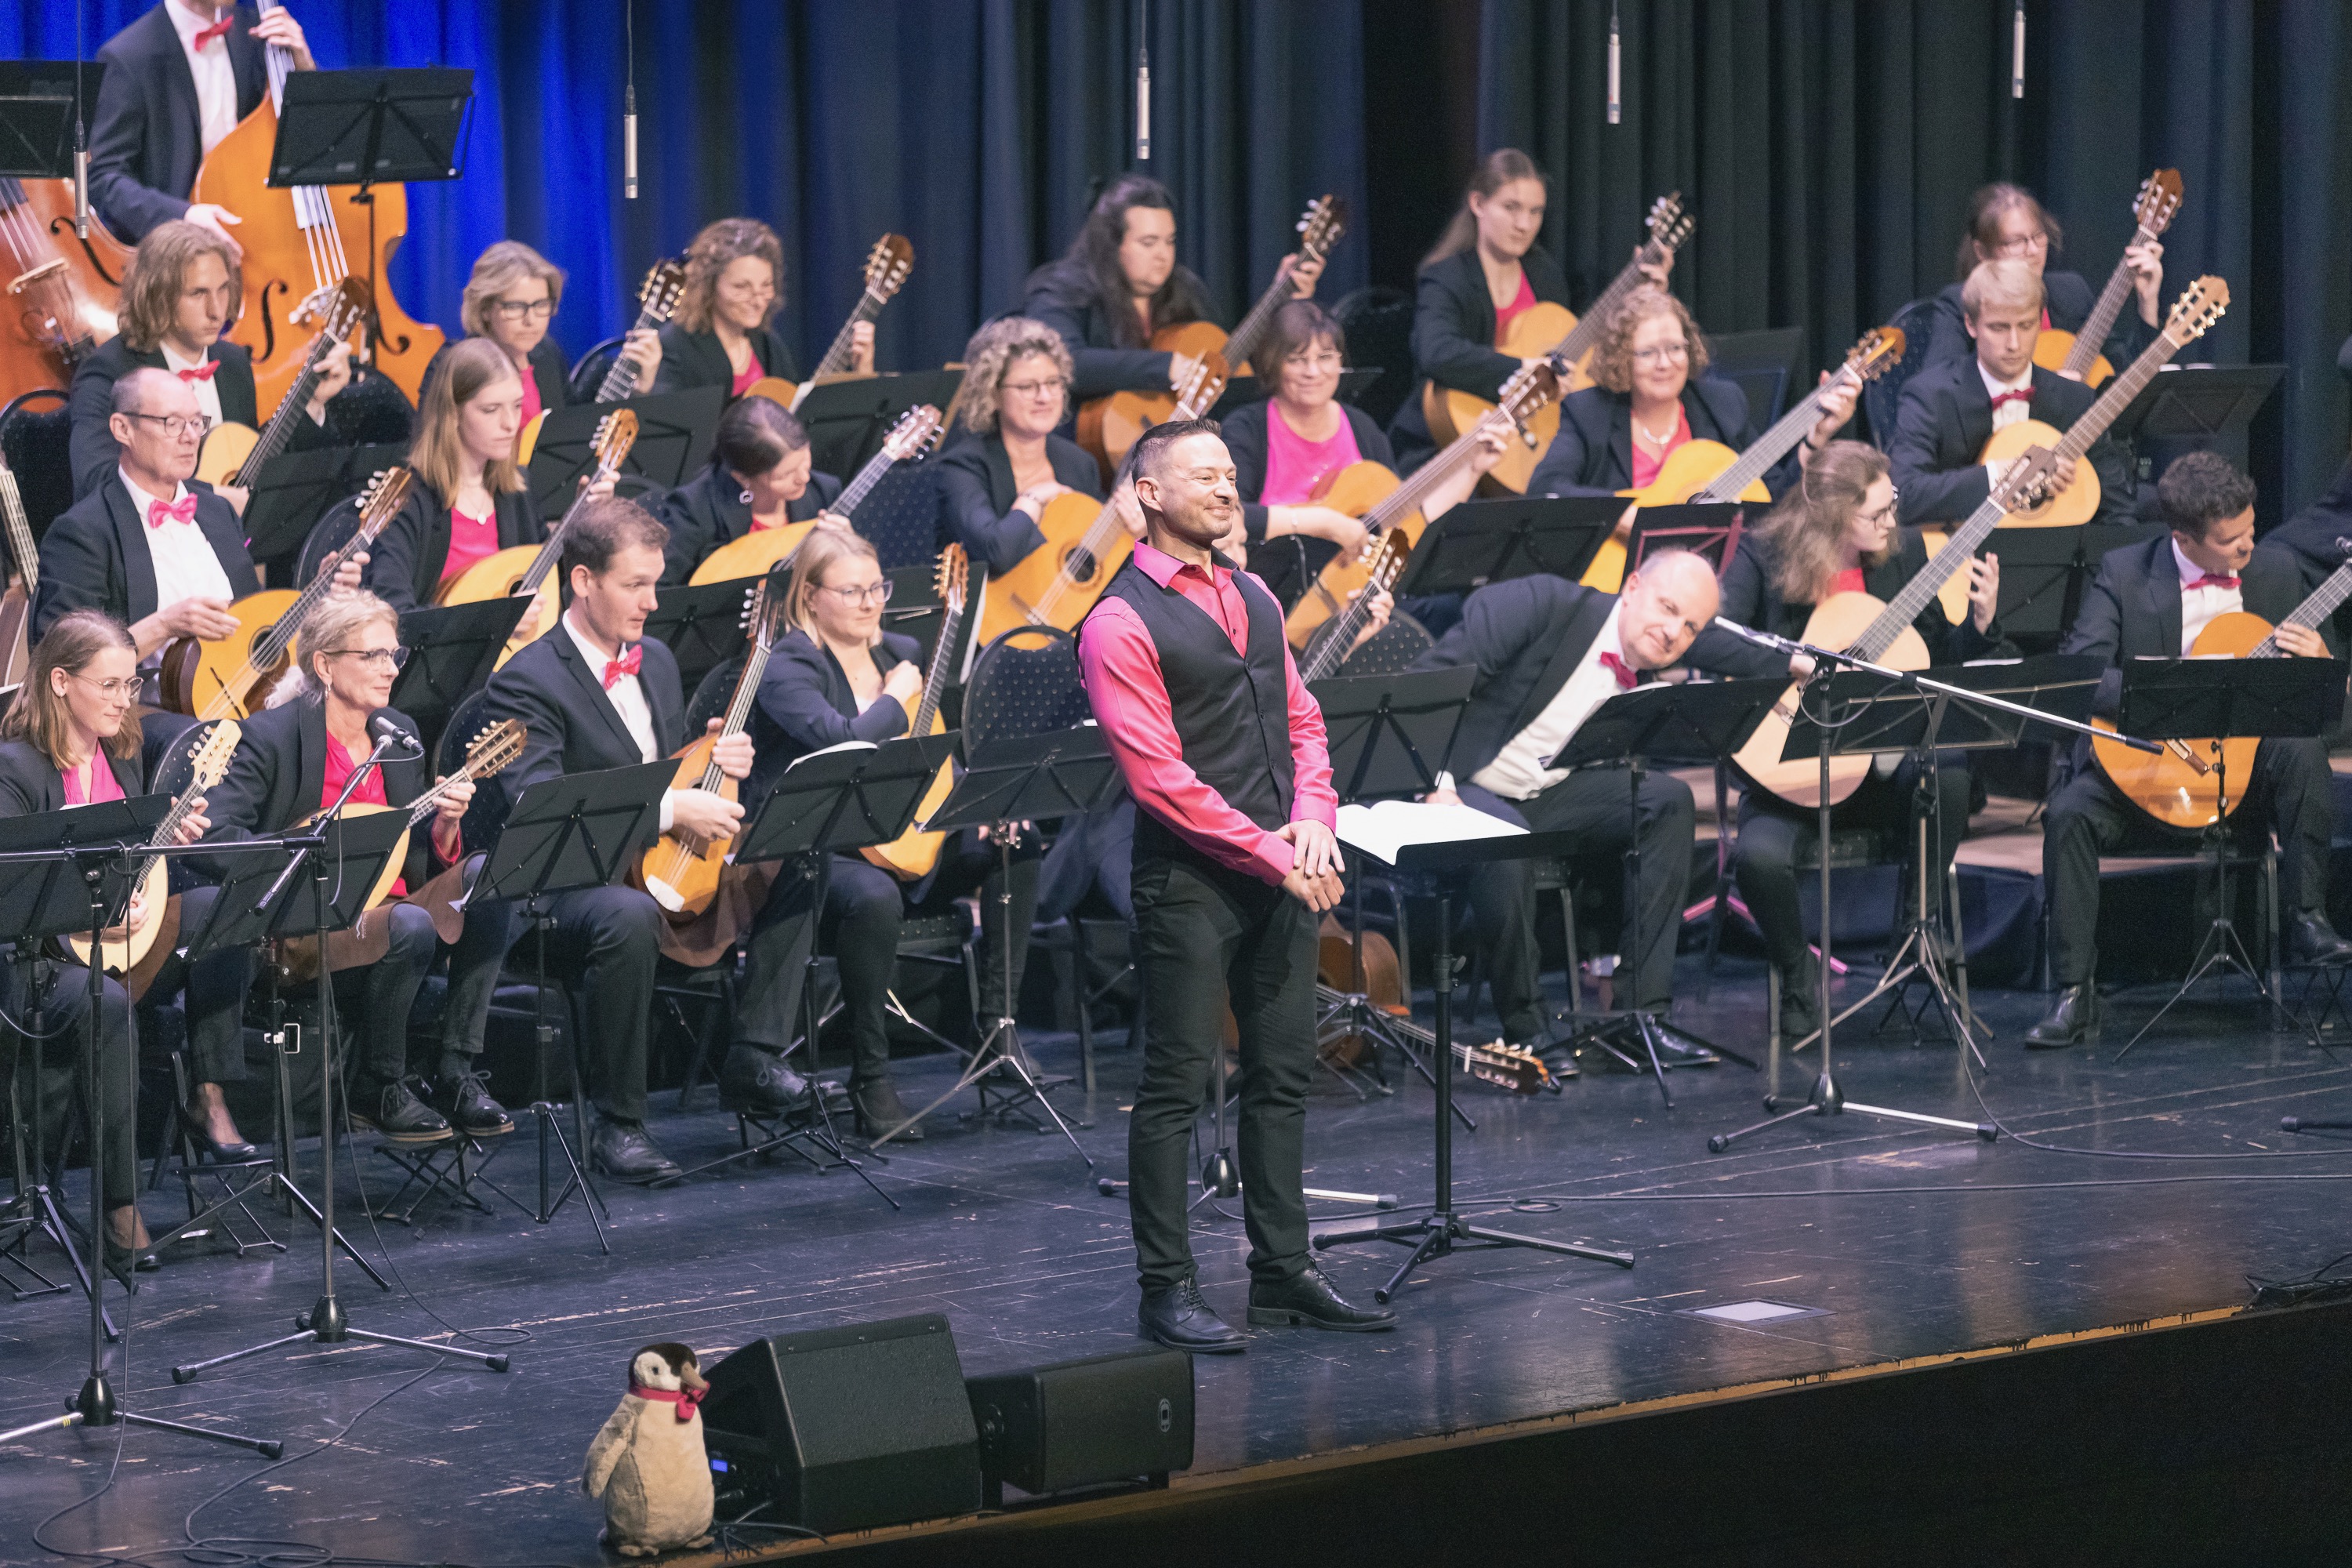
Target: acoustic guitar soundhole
1080 564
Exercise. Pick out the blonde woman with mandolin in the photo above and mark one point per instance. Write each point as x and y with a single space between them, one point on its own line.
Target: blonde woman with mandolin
722 333
510 299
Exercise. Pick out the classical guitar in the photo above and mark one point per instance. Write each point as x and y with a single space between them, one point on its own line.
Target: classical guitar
1884 634
234 453
2077 353
16 603
886 266
1085 541
530 568
234 676
1553 330
1368 491
62 288
1508 1067
911 855
1327 650
1107 426
916 432
209 755
293 244
656 300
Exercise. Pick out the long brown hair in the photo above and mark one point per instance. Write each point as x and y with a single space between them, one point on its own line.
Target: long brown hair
159 271
437 455
37 714
1980 240
1094 255
1495 170
1806 531
818 551
719 244
1611 366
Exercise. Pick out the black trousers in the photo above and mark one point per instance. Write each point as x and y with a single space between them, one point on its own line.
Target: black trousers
2089 817
606 939
1204 936
1599 807
61 997
214 988
1773 834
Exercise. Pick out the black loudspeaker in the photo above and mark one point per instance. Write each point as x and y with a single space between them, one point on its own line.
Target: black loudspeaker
1079 1422
845 1428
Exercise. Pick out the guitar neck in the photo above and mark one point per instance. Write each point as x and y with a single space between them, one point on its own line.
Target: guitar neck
552 551
862 484
20 529
2323 602
935 683
1336 643
295 405
1587 330
838 358
1245 338
271 646
739 707
1772 446
1407 497
2103 317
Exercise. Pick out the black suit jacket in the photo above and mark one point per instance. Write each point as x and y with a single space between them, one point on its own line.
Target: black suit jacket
147 136
1751 595
31 784
709 511
278 776
94 451
2132 607
573 726
697 359
405 563
1454 322
1943 422
548 373
1592 454
977 491
1062 295
1525 636
805 705
2067 297
95 557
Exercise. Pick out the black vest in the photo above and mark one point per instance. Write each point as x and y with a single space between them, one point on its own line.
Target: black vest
1232 712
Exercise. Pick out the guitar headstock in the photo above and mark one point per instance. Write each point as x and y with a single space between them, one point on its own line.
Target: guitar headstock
615 433
209 759
1528 390
382 497
953 578
495 748
659 296
1669 227
1879 350
2199 306
764 612
1510 1067
916 432
1320 227
1388 560
339 309
887 264
2158 199
1202 387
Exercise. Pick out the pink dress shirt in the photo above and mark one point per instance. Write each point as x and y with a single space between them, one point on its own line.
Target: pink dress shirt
1130 702
1295 465
471 539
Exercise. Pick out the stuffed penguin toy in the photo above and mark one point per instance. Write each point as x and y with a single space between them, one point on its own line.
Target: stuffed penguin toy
648 1464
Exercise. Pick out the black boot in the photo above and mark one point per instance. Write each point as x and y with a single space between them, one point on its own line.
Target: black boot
1180 1318
392 1109
1801 996
465 1101
879 1110
622 1151
2073 1020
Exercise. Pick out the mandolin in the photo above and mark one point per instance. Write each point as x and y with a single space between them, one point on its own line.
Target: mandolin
232 453
234 676
209 755
657 298
16 603
1107 426
917 431
1555 331
680 869
1884 633
911 855
1085 541
530 568
293 244
62 288
2077 354
1368 491
886 266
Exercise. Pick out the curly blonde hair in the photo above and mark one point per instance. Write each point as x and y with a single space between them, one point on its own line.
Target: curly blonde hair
1613 357
151 284
993 350
719 244
1806 531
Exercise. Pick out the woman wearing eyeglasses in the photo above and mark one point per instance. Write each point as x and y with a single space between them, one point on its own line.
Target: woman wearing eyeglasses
2007 224
1833 533
996 482
512 299
293 760
762 474
722 333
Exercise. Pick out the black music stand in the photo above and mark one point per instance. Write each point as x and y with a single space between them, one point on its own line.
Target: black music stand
370 128
578 830
1444 1231
1711 719
1707 529
36 115
702 626
846 418
1022 778
2205 701
675 431
2201 404
452 650
1482 541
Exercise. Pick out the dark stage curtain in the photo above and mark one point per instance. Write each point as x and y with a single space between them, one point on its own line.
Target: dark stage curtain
1829 148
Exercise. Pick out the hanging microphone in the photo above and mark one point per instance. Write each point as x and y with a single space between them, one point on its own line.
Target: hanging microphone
390 734
1143 104
1616 73
81 142
2017 52
629 143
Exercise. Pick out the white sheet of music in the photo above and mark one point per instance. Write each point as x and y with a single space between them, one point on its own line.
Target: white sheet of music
1385 827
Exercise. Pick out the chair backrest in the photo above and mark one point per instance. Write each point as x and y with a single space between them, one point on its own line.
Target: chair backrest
588 373
900 515
372 411
329 534
1026 682
1379 324
1391 649
1764 365
1882 397
35 438
712 694
488 812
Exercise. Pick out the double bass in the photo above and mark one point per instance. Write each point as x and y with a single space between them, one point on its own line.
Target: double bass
294 246
62 288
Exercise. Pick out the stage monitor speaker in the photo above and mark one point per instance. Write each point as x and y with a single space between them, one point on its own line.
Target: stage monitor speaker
849 1428
1081 1423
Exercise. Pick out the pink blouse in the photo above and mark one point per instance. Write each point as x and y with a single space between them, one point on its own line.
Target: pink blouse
104 786
1295 466
471 539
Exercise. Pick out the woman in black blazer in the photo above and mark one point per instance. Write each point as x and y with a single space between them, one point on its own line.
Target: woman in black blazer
996 483
512 299
761 475
2005 221
720 334
1835 533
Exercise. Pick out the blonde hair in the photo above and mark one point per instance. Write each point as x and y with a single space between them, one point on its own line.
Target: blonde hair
818 551
329 627
157 272
2005 282
37 715
1806 531
993 351
496 270
437 455
719 243
1613 357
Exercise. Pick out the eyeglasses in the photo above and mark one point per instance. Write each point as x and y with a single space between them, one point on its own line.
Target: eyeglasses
1663 353
178 426
866 594
2019 244
125 688
1880 514
379 656
1324 361
1049 388
521 310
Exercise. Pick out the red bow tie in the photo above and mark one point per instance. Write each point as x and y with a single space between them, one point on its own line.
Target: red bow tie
2016 395
1626 677
160 513
218 30
2214 580
685 1399
200 371
627 664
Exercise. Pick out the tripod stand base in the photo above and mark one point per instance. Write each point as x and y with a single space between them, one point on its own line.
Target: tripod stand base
94 1405
327 1324
1443 1234
1000 1052
1828 1100
1648 1044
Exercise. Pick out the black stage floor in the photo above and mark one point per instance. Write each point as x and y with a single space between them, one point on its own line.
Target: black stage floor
1912 1245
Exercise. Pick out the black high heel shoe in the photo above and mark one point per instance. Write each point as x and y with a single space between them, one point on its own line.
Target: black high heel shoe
122 1262
209 1150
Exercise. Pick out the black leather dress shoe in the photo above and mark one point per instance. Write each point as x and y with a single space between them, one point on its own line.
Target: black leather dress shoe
759 1083
1180 1318
466 1102
879 1110
2311 940
622 1151
1801 1012
210 1150
1306 1301
394 1110
2073 1020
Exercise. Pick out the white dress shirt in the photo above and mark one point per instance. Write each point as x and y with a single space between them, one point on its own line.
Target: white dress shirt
216 78
1520 769
182 559
205 387
2005 415
2200 605
628 695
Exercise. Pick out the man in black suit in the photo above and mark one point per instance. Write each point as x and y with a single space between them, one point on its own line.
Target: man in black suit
761 474
1548 653
177 81
2150 602
1949 411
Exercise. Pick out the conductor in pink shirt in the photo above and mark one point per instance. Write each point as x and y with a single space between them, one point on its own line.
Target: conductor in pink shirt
1222 750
